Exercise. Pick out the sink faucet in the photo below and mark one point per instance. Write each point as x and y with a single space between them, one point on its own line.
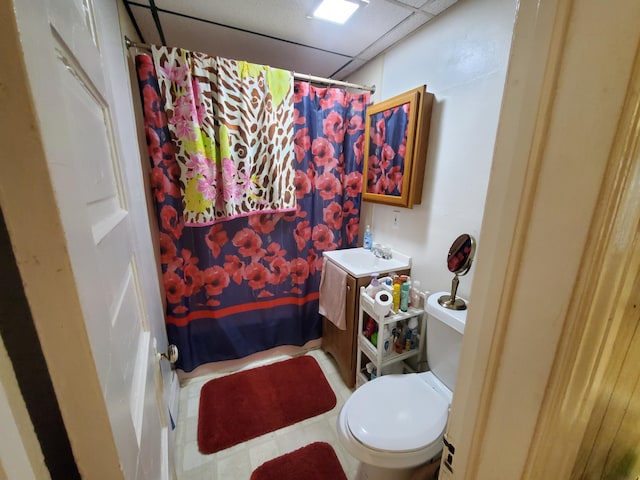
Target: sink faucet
381 251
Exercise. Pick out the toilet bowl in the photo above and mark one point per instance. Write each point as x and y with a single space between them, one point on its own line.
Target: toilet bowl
396 423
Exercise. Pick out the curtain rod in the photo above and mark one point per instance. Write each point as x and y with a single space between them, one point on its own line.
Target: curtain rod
298 76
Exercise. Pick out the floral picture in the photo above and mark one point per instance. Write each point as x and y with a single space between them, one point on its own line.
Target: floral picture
387 150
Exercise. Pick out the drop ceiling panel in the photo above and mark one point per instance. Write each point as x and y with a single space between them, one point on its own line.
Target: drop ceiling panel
228 43
436 7
144 20
414 3
351 67
287 19
278 32
412 23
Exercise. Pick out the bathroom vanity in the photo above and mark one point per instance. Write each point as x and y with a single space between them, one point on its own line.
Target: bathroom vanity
358 264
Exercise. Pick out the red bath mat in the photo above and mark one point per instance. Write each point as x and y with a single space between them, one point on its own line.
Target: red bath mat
317 461
253 402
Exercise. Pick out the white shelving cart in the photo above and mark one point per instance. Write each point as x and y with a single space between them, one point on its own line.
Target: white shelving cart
375 353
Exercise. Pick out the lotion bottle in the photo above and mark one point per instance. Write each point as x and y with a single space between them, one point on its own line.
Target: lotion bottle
404 296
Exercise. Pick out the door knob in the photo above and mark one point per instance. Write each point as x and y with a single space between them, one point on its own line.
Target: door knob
172 354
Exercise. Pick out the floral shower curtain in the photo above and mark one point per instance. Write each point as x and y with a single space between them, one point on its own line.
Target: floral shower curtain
249 284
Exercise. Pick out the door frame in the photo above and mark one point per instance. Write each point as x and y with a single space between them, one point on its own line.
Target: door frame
559 164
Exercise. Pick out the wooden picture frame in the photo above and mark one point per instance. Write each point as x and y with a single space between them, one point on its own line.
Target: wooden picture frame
395 148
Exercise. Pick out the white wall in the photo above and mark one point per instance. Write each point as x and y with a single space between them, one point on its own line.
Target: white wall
462 57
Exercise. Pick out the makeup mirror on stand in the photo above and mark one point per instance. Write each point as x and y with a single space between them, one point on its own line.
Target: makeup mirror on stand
459 262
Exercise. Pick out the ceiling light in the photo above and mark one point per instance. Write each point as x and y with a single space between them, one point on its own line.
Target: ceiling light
337 11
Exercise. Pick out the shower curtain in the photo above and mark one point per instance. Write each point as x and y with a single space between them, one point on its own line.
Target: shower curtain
248 284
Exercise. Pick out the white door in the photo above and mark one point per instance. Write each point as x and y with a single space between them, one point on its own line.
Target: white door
79 87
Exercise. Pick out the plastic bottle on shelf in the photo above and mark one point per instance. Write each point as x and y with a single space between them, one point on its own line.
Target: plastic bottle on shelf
412 326
415 342
404 295
370 328
371 370
396 297
374 286
407 340
414 295
368 238
399 337
386 340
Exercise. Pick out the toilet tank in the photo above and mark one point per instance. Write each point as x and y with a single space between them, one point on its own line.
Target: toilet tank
445 328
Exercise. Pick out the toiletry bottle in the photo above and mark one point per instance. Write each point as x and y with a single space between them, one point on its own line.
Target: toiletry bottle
374 286
370 328
396 297
387 339
368 238
371 370
414 294
399 338
404 296
412 325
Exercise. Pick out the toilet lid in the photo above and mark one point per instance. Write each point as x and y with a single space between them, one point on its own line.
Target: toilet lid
397 413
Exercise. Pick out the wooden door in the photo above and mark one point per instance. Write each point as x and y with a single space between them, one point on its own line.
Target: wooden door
74 204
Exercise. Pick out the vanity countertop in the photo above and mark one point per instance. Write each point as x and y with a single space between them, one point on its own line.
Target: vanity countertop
359 262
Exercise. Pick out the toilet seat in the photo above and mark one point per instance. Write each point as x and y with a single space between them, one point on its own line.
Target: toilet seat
397 413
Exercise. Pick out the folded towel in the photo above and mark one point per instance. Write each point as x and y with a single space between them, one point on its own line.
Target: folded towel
333 286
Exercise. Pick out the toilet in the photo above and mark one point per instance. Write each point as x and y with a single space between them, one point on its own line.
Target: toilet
396 423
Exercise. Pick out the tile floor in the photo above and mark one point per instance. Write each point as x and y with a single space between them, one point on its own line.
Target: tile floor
237 463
